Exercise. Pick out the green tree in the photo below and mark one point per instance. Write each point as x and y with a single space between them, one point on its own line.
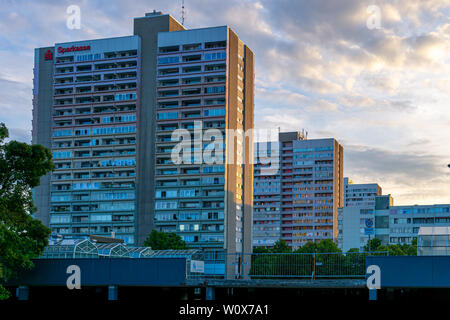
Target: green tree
411 250
261 250
21 236
375 243
396 250
327 246
281 246
165 241
323 246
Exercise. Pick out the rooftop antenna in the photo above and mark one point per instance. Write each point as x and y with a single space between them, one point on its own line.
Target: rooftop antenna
182 12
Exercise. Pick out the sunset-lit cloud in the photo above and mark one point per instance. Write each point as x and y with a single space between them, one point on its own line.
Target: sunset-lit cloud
383 93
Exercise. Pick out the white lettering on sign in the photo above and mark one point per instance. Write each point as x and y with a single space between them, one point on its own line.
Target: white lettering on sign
74 280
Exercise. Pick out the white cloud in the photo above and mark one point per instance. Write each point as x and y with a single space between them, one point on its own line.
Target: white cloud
318 67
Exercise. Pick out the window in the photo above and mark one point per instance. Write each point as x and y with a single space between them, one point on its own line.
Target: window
85 186
117 163
167 115
209 102
62 154
169 49
60 219
187 193
214 112
114 130
166 194
218 44
215 90
191 58
165 205
166 60
192 69
215 56
190 47
213 169
101 218
125 96
88 57
62 133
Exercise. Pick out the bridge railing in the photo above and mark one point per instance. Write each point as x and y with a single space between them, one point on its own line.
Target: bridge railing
309 265
288 265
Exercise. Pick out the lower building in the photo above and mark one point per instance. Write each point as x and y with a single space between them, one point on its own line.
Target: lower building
433 241
356 194
391 224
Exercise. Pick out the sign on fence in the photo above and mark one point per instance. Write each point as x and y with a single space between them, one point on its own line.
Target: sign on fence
368 226
197 266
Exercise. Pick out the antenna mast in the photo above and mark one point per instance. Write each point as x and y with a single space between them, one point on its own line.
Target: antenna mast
182 12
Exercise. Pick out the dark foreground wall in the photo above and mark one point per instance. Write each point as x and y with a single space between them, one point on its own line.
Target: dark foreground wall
413 272
103 272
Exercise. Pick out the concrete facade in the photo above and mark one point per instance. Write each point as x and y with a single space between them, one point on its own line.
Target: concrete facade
147 28
302 199
360 194
393 224
42 123
205 84
96 106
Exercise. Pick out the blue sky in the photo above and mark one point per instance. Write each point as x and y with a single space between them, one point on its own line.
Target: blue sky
384 93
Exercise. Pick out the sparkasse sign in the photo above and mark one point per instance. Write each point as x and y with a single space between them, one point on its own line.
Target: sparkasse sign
74 48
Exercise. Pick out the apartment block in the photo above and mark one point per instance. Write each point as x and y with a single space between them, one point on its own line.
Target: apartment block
360 194
91 89
310 178
352 221
94 107
205 85
266 194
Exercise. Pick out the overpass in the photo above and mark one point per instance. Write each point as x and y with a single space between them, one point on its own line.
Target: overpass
398 272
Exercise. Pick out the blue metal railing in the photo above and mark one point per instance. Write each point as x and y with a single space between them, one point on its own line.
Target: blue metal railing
312 266
309 265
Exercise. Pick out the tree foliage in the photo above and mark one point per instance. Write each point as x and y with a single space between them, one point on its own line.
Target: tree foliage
374 243
281 246
165 241
21 236
393 249
323 246
322 258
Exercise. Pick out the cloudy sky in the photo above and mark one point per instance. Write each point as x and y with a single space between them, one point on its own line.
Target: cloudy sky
381 89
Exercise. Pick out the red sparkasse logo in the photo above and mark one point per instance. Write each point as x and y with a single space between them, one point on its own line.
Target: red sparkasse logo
48 55
73 48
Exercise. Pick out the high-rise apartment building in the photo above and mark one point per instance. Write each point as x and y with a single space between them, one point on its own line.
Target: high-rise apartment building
204 88
266 194
108 108
310 179
85 103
